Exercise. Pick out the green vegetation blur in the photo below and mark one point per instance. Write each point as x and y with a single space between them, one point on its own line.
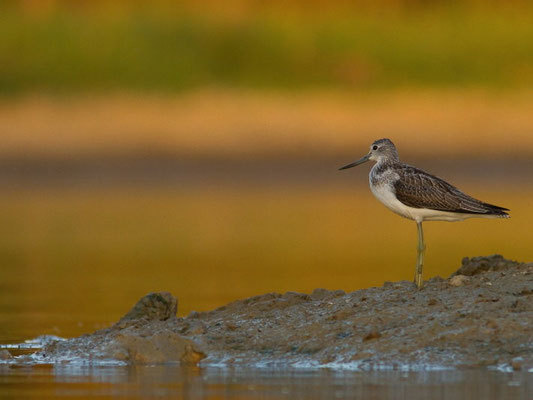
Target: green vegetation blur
70 46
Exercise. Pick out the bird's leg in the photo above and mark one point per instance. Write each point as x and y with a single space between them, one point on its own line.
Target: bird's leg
420 255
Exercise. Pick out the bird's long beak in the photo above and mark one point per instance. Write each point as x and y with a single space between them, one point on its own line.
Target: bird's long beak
360 161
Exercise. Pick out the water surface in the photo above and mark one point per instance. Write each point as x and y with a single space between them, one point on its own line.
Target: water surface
215 383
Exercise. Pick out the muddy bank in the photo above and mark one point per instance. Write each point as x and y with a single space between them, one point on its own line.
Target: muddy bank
481 316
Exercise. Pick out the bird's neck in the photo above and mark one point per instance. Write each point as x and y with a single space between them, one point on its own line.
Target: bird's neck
385 161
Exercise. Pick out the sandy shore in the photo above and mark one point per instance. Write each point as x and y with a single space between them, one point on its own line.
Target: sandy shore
482 316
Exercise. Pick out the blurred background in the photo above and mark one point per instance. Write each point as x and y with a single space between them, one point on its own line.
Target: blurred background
193 147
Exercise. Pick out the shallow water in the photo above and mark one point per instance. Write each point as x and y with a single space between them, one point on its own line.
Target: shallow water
216 383
74 261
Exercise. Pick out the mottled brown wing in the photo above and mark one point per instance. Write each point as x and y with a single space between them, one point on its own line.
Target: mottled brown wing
418 189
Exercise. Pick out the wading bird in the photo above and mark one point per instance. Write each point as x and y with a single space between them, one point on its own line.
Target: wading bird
417 195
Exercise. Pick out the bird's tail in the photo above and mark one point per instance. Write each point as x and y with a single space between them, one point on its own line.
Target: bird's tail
496 211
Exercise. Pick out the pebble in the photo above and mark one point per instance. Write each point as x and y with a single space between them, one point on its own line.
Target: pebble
459 280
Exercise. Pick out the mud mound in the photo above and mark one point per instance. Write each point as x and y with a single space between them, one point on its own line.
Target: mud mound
146 334
481 316
477 265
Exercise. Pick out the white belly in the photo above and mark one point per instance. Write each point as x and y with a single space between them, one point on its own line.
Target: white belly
385 194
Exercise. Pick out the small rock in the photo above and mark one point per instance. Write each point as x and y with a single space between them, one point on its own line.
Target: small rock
361 356
295 296
372 335
120 354
5 355
161 347
320 294
197 330
340 315
517 363
432 302
231 326
477 265
459 280
154 306
492 324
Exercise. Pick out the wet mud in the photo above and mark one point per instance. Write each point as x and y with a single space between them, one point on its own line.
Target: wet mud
481 316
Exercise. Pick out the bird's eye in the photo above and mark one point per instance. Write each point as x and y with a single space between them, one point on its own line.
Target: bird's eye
374 147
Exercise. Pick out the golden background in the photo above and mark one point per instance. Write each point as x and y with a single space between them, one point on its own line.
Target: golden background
151 146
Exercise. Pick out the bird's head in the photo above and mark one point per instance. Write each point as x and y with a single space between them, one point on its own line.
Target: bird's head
381 150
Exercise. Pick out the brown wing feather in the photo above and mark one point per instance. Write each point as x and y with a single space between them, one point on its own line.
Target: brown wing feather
418 189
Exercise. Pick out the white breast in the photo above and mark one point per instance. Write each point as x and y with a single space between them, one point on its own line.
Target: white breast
385 193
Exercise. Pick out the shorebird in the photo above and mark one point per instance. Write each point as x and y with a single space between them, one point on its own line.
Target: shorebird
417 195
